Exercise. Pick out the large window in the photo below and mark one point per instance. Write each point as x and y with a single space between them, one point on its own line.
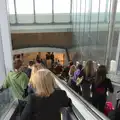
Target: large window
118 6
43 6
95 6
62 6
24 6
84 6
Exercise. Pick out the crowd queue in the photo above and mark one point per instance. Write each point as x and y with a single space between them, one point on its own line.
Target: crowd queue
38 96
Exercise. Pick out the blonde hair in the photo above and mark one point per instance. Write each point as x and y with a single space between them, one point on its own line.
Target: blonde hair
44 83
72 70
35 68
89 68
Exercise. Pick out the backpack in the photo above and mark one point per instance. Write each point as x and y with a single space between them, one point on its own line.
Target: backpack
100 90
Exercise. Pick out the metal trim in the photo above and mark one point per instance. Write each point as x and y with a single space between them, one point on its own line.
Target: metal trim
53 11
34 13
71 10
84 23
15 11
98 22
32 24
106 10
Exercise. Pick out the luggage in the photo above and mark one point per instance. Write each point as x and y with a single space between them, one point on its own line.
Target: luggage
108 108
115 114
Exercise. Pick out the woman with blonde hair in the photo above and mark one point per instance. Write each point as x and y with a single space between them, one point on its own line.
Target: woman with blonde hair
88 76
72 70
45 104
35 68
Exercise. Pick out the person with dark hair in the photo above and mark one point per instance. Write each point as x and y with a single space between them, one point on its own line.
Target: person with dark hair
29 69
38 57
52 57
100 87
18 56
87 75
17 81
65 72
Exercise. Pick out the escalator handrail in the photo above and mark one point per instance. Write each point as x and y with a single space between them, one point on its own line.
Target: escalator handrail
77 100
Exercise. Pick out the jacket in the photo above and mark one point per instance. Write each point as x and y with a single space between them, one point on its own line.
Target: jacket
18 82
45 108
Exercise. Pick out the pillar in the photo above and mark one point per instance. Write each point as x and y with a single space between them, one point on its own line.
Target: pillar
111 33
118 56
5 41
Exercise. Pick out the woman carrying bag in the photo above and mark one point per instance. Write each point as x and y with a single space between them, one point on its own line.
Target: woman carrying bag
85 79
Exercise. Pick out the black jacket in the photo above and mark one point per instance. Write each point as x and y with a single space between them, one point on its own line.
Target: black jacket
45 108
106 84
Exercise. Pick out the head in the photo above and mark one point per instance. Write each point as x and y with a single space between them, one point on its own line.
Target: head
18 56
17 64
31 63
70 63
79 66
101 74
35 68
44 83
89 68
73 68
102 71
38 61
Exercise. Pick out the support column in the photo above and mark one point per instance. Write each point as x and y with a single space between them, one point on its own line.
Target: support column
111 33
118 55
5 40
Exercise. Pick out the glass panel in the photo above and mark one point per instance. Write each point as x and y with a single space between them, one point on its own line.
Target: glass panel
43 6
95 5
11 6
24 6
84 6
118 6
62 6
5 100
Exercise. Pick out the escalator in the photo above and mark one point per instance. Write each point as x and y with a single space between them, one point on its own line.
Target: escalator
80 110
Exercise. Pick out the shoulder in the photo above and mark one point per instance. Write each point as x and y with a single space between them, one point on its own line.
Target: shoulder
108 80
24 74
60 92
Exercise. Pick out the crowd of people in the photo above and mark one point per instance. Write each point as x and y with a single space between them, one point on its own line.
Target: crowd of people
35 88
89 81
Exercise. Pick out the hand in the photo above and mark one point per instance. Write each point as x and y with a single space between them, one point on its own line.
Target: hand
1 89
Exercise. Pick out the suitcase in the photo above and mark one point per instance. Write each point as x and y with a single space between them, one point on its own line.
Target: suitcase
108 108
115 114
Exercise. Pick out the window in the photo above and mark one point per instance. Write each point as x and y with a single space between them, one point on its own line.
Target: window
62 6
95 5
118 6
84 6
11 6
24 6
43 6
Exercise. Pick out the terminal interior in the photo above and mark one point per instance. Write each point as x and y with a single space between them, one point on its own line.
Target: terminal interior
73 30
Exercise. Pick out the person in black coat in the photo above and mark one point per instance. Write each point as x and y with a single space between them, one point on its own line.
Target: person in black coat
46 103
100 87
88 75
